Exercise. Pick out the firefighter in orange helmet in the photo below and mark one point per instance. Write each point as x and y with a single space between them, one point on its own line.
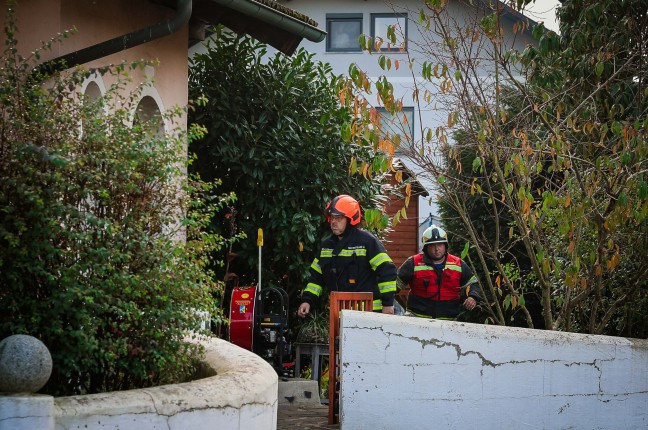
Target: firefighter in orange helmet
351 260
440 283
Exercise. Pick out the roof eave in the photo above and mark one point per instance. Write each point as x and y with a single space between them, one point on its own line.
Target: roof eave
267 24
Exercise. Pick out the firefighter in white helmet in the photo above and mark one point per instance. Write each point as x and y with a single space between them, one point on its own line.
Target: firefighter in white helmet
440 283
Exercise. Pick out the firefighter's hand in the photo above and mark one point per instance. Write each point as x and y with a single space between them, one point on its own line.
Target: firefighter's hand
388 310
470 303
303 310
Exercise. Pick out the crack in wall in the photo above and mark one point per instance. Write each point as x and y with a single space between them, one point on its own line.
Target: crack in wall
554 372
157 412
439 344
166 417
485 362
26 417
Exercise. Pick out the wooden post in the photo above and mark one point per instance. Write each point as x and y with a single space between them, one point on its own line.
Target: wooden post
339 301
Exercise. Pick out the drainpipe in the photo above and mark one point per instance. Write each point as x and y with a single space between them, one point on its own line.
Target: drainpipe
122 43
275 17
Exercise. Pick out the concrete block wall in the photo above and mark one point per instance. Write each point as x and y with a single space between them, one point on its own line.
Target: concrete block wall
414 373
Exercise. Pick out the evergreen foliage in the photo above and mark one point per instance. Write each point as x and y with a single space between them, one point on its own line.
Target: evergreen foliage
274 125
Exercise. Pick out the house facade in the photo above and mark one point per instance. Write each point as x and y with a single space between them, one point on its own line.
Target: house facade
97 22
113 32
345 21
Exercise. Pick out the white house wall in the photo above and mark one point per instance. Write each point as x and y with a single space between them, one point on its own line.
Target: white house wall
401 372
402 79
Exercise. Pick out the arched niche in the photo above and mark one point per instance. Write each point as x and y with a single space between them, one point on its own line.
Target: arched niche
148 113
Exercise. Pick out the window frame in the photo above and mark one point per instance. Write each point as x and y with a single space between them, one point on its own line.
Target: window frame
384 114
385 46
343 17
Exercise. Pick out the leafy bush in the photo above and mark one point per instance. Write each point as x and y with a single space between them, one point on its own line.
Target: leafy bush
93 212
275 138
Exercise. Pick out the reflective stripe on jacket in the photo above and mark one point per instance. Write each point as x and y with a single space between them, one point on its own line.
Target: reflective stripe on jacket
356 263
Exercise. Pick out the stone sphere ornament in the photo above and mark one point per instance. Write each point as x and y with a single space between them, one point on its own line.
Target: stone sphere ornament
25 364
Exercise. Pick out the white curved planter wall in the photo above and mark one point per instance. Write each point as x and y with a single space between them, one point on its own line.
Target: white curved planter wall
242 395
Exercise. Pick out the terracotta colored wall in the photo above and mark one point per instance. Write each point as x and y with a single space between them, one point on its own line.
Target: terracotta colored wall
38 21
403 241
95 22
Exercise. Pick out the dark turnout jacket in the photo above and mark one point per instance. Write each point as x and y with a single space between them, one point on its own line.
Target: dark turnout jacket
356 263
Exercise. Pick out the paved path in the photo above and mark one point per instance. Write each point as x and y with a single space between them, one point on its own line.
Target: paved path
303 417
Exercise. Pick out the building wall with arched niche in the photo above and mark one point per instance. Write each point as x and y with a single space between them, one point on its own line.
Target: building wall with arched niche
163 61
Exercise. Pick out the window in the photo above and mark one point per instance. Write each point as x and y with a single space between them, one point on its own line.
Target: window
381 25
344 30
401 124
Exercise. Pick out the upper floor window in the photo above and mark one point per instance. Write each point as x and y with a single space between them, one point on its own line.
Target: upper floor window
400 124
344 30
390 30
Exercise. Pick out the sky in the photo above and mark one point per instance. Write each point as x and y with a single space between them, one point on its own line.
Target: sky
544 10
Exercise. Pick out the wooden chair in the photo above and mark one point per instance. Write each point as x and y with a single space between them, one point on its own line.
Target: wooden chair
338 302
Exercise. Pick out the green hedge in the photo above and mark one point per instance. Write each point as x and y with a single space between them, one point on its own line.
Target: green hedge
93 213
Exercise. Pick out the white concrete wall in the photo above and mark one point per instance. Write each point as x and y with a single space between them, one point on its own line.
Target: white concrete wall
242 395
410 373
24 411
